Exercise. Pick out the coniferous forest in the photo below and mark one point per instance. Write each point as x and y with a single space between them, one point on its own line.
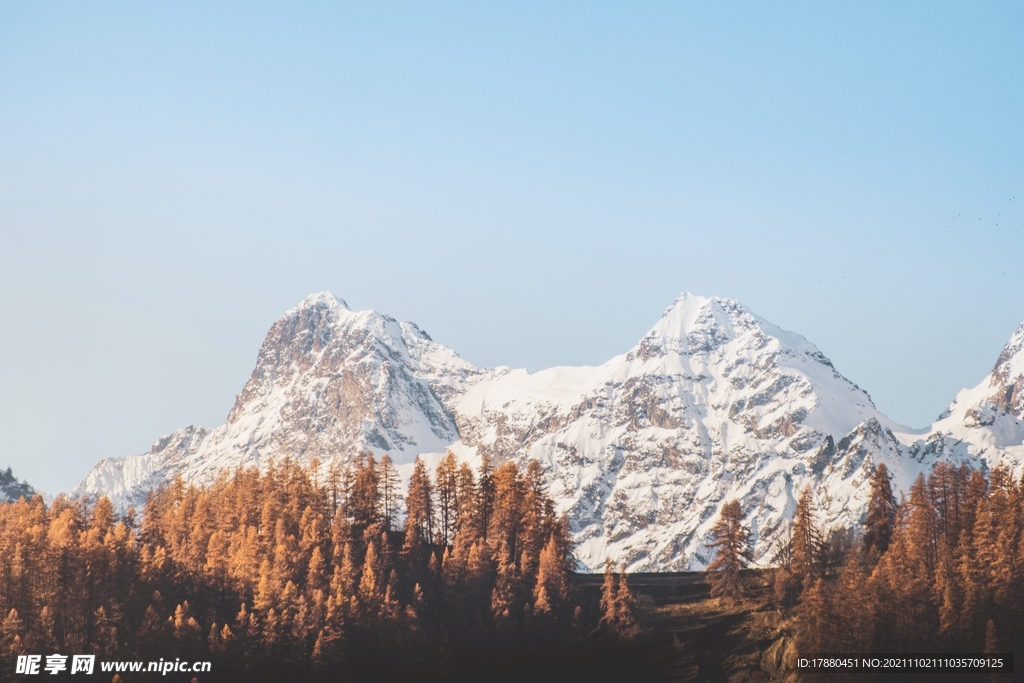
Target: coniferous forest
940 571
311 574
285 575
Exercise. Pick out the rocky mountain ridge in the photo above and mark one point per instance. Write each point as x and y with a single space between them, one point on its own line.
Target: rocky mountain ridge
11 489
713 403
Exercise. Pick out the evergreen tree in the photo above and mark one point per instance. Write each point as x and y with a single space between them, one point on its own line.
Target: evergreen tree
806 538
12 635
365 500
507 515
466 501
853 618
946 491
618 604
390 497
625 606
551 590
881 516
485 494
419 517
732 552
447 497
922 530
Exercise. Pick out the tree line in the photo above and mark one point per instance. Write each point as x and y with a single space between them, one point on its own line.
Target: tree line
297 573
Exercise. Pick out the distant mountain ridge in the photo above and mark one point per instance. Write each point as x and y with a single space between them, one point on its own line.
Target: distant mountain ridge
11 489
713 403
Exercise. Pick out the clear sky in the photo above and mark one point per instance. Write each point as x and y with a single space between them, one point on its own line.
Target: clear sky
533 184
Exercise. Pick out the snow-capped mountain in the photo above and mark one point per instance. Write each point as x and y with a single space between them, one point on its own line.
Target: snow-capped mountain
328 383
986 421
11 489
713 403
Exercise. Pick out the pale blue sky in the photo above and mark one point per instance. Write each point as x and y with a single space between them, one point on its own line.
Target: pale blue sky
531 183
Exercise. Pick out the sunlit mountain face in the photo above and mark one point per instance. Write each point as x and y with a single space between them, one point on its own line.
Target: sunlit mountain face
714 403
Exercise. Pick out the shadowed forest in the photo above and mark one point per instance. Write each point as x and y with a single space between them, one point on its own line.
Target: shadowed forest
284 576
279 576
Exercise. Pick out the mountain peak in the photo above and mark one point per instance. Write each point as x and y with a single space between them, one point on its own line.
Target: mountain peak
697 324
1010 364
687 307
1008 375
322 300
714 403
690 312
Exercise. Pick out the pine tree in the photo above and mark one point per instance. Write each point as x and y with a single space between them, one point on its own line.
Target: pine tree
44 638
536 517
551 589
506 518
975 491
365 501
946 491
390 496
312 534
467 500
952 572
993 647
185 628
976 565
12 635
371 581
104 632
618 604
949 596
881 516
733 552
419 518
316 576
991 639
813 636
922 530
806 539
447 497
625 607
854 616
335 487
480 572
485 494
505 596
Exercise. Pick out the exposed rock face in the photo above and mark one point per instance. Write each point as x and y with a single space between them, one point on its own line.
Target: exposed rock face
985 421
328 383
11 489
713 403
1007 378
328 380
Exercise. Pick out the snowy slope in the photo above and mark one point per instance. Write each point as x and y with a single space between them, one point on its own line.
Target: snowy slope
983 424
713 403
